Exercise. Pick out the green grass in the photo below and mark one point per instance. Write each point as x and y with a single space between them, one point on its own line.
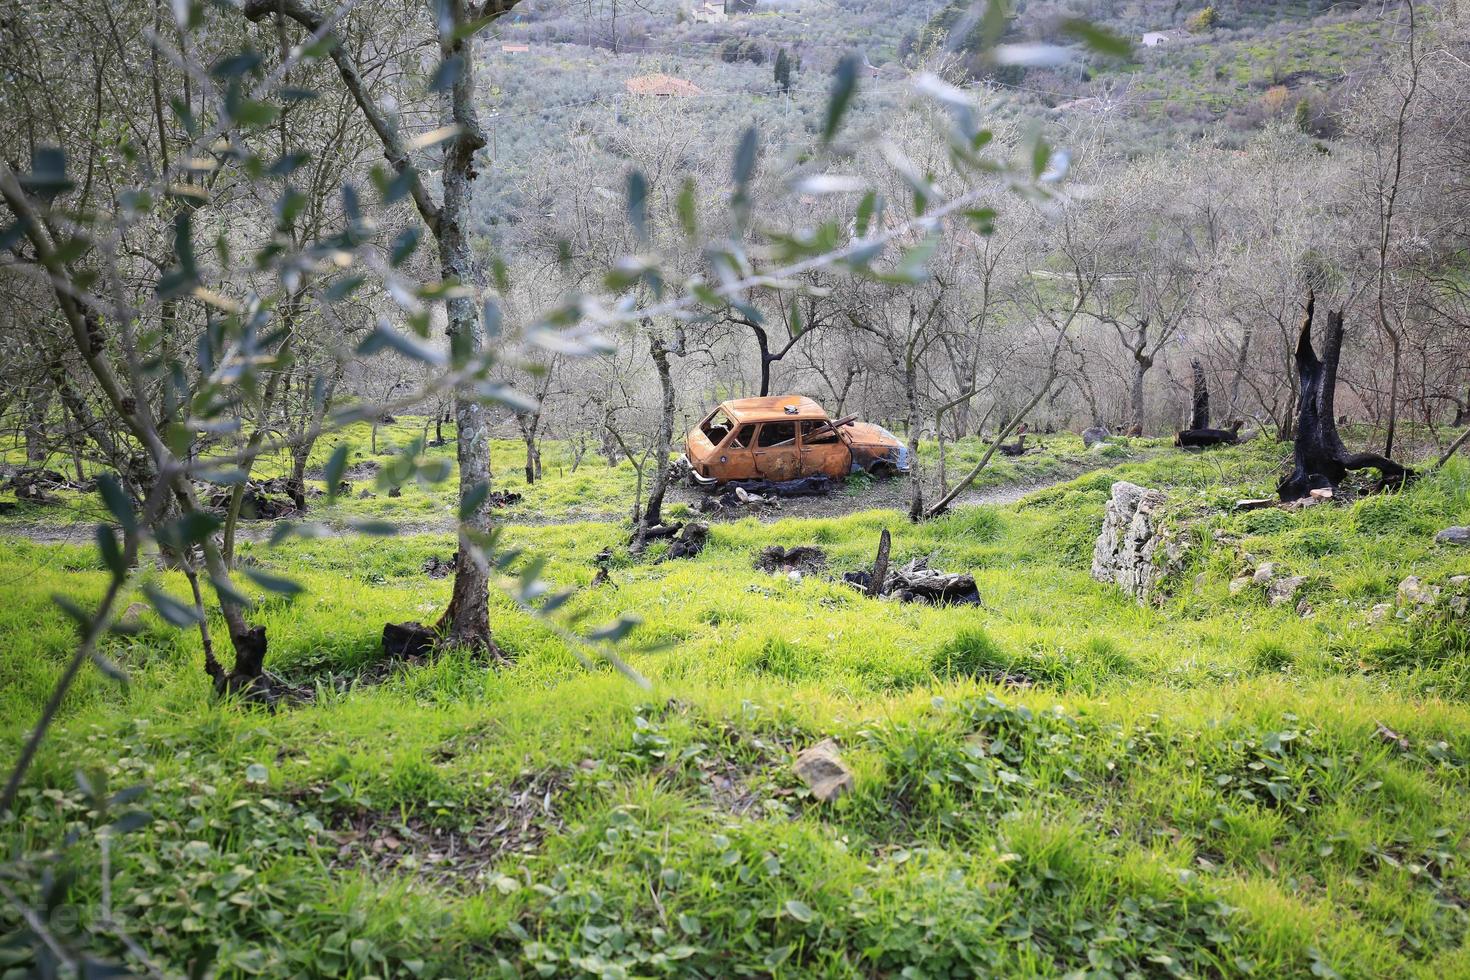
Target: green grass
1058 780
567 491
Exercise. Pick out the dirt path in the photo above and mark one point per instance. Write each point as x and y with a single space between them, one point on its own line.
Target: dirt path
884 495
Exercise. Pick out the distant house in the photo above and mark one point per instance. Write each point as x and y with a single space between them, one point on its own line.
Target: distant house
709 13
1092 104
515 48
1153 39
662 86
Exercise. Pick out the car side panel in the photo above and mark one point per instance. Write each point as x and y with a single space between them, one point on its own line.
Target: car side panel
831 458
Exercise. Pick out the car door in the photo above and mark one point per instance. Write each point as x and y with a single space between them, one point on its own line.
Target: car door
822 452
776 451
733 460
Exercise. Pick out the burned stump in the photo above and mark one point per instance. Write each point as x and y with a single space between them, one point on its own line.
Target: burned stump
1319 458
1200 435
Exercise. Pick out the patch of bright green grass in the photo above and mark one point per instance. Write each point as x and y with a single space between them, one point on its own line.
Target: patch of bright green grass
1198 787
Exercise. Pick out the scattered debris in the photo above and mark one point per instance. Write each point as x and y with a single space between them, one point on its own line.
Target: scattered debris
1457 535
764 493
917 582
802 558
1253 503
1134 551
1386 734
822 769
690 541
436 567
263 500
503 498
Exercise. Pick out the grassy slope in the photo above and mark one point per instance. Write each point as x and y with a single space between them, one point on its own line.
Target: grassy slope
1196 787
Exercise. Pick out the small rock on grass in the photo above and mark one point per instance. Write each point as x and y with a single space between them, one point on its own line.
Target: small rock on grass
1413 590
1283 590
822 769
1454 535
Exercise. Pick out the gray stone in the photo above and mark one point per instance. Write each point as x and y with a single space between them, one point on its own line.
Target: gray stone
1454 535
1411 590
1239 584
822 769
1283 590
1134 551
1265 573
1380 612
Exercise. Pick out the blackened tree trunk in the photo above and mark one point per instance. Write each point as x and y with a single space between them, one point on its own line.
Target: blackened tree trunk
1320 460
1199 433
1199 417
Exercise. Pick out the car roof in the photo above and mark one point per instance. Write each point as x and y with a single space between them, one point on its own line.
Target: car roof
773 407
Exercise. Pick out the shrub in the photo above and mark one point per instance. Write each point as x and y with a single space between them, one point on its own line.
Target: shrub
1202 20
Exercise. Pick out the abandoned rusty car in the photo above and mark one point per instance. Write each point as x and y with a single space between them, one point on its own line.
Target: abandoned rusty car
787 437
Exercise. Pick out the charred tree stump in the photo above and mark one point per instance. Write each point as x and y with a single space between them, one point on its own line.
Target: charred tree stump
1199 434
1320 460
880 565
1017 448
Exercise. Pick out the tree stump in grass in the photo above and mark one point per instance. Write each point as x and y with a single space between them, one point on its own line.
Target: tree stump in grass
1319 458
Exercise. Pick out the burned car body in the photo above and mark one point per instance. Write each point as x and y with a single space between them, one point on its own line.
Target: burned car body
786 437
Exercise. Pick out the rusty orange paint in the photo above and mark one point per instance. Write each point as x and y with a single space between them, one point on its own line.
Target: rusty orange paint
784 437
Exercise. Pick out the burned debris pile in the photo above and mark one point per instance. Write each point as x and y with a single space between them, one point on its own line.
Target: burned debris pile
685 540
917 582
764 493
802 558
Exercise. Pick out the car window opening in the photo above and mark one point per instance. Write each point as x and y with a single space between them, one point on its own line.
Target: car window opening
718 427
742 437
774 434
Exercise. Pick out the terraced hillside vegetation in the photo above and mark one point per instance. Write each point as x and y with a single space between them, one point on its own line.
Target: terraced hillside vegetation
1059 780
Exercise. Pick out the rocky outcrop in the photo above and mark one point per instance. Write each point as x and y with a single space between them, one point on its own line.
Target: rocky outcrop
1135 551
